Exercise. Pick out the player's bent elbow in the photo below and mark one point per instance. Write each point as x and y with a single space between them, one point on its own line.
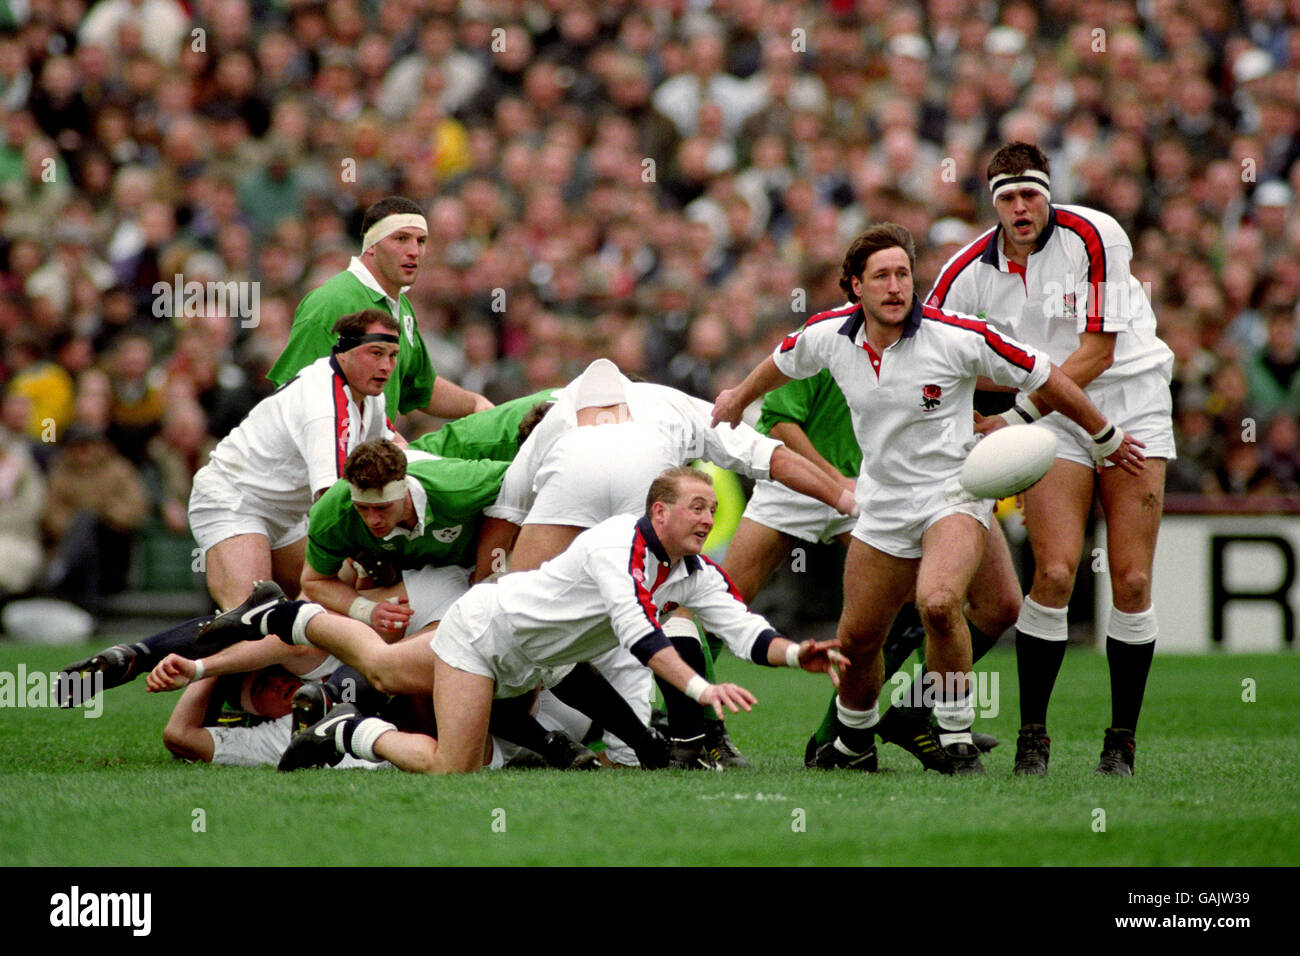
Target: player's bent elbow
181 743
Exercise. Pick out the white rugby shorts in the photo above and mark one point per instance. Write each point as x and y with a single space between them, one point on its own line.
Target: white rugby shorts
597 471
894 518
783 509
218 510
431 592
1141 405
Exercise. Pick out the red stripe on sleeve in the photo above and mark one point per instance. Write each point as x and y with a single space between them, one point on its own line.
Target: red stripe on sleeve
1096 265
950 274
790 340
1013 354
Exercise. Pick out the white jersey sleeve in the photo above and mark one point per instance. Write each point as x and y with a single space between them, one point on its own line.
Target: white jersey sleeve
720 609
742 449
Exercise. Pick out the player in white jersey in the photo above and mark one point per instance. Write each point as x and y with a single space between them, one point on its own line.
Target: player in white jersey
685 422
248 509
1058 277
608 588
908 374
569 476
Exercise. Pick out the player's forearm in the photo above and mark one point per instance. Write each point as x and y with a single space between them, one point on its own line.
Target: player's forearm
1062 394
1095 354
765 377
329 592
185 736
668 664
494 542
798 473
796 439
249 656
449 400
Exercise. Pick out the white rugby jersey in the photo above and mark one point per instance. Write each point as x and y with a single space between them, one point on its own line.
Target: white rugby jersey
685 425
1076 280
296 440
912 405
609 587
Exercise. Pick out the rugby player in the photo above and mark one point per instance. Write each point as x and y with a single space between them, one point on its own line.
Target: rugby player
607 588
1057 277
908 373
393 238
248 509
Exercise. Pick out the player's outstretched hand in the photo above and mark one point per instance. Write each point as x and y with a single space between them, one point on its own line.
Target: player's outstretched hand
172 673
727 409
823 657
731 696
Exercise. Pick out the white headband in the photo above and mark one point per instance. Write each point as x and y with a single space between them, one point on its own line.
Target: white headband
393 491
1034 179
390 224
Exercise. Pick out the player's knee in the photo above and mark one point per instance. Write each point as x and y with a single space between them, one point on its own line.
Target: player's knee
1131 588
1054 581
940 609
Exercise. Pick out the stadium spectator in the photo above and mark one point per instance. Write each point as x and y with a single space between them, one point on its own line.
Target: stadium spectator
96 501
22 502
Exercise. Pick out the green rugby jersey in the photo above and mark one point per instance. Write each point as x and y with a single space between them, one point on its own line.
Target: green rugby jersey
312 336
817 406
493 433
449 493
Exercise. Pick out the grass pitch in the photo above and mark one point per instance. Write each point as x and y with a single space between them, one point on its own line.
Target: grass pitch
1216 785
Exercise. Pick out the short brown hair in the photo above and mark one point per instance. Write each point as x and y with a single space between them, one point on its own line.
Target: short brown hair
667 486
389 206
374 464
883 235
532 418
1015 158
356 323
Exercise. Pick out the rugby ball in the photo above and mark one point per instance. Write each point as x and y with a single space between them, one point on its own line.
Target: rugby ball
1008 461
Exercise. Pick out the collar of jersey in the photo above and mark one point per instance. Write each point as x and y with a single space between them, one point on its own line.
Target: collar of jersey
367 279
853 324
420 500
690 561
992 254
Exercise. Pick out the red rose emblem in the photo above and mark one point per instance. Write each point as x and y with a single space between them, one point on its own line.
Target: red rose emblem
930 395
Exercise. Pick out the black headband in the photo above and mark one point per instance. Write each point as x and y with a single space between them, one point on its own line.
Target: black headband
348 342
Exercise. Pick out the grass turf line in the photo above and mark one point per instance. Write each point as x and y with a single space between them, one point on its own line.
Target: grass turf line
1216 784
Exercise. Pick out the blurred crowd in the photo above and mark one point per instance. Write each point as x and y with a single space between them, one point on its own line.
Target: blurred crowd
670 183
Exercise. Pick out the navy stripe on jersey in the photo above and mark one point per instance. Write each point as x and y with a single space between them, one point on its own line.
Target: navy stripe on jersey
340 422
636 569
949 275
1013 354
1096 264
789 341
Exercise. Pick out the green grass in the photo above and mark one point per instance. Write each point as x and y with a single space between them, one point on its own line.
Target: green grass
1216 785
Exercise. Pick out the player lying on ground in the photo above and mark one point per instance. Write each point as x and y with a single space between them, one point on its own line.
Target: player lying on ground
503 637
908 373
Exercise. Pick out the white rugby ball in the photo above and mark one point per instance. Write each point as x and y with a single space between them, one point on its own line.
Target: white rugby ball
1008 461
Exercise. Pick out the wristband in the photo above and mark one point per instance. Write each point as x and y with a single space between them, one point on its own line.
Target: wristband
1106 441
792 655
198 671
1026 409
362 608
696 687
